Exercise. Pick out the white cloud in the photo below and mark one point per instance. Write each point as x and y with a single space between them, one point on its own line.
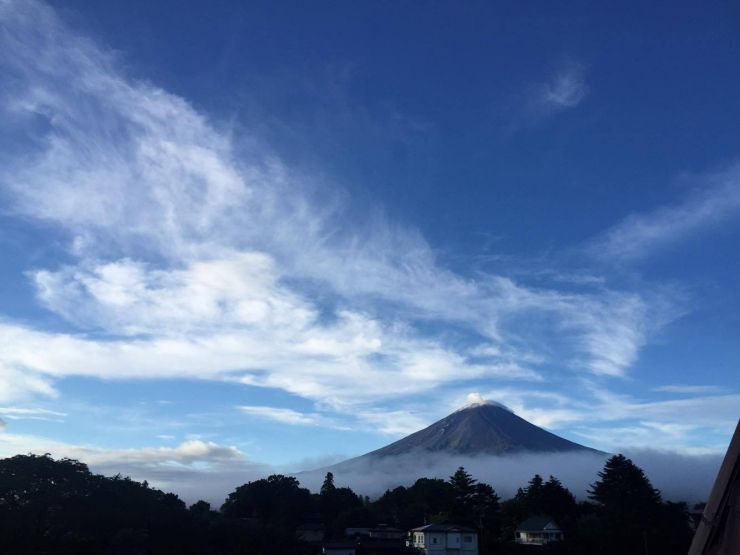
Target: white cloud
286 416
188 452
599 418
567 88
130 298
715 199
195 257
31 413
476 399
393 422
679 476
689 389
17 382
194 469
290 416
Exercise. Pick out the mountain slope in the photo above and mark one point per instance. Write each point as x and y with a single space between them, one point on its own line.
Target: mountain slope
479 429
484 428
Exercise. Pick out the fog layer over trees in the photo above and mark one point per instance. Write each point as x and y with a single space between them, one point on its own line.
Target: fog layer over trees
679 477
60 507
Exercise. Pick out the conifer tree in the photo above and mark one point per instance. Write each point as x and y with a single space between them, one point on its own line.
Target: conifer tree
623 487
463 483
328 486
629 507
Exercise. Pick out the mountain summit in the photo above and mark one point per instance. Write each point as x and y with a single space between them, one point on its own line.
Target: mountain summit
483 427
480 428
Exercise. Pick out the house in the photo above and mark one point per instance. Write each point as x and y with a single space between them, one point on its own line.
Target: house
538 530
444 539
311 532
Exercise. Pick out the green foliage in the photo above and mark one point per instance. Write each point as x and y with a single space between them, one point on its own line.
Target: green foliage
631 515
278 499
475 503
542 498
59 506
462 484
623 486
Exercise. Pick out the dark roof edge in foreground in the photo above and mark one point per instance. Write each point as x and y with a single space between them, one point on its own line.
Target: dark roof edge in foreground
716 513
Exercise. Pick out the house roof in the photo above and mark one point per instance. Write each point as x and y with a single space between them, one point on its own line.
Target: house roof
537 524
442 528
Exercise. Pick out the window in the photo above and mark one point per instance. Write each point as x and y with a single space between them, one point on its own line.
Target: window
434 540
468 539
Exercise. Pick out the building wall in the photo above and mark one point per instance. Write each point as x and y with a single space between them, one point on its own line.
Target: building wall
453 541
470 547
539 538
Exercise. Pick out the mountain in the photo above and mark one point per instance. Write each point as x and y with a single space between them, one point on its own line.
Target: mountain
484 428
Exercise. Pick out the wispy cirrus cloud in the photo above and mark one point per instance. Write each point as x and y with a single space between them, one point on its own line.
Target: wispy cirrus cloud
192 256
714 200
700 420
567 88
290 416
689 389
31 413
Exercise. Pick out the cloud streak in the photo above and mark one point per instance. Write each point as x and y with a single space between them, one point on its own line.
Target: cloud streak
715 199
290 416
192 253
567 88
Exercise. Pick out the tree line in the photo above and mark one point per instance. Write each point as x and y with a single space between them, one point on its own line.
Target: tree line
60 507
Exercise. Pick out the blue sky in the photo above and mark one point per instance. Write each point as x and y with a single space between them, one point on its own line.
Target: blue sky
246 234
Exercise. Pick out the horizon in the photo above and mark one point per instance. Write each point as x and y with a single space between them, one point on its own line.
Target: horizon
244 237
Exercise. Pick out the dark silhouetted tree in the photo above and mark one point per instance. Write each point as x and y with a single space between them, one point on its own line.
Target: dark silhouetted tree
334 501
622 487
278 500
628 505
328 486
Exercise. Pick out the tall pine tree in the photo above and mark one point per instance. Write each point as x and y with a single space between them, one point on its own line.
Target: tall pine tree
629 507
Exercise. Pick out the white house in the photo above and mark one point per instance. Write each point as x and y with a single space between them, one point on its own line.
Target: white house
538 530
444 539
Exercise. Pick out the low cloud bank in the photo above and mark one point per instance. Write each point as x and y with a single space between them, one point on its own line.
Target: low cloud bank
680 477
198 470
191 482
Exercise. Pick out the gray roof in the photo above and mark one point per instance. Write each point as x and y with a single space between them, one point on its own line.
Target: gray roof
536 524
442 528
